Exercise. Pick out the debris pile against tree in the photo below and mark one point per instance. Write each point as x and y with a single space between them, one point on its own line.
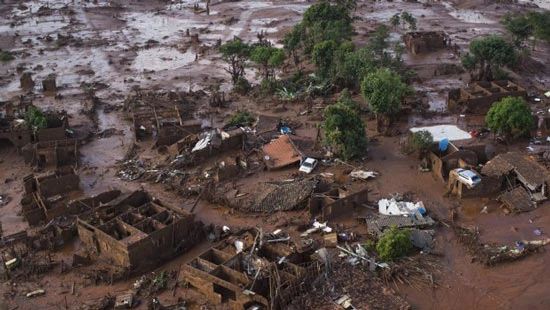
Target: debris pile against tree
491 255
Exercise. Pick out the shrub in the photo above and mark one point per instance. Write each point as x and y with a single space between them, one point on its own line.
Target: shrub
242 118
5 56
241 87
394 244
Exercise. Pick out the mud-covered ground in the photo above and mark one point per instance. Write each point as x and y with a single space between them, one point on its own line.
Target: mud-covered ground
115 47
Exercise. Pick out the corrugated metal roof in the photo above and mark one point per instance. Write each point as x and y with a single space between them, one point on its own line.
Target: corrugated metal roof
281 153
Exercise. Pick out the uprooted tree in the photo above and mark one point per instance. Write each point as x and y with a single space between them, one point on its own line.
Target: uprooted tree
510 117
344 130
488 55
384 90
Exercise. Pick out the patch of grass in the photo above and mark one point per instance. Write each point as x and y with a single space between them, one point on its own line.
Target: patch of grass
242 118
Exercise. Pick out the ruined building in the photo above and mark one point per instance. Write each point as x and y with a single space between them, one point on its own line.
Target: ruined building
425 42
137 232
478 97
47 196
252 271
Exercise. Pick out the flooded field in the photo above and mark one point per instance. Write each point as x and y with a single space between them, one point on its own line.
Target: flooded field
109 57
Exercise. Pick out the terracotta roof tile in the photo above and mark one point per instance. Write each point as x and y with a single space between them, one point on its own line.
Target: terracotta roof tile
281 153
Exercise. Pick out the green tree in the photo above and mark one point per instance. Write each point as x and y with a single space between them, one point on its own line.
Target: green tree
510 117
321 22
322 57
540 21
492 52
384 90
36 118
344 130
235 53
395 20
422 141
519 26
269 58
409 19
394 244
345 98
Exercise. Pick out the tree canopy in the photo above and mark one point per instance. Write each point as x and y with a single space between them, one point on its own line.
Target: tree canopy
269 58
321 22
344 130
540 21
383 89
235 53
519 26
510 117
489 53
422 140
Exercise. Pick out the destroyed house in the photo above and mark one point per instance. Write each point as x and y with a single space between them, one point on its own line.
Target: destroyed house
424 42
281 153
479 97
165 125
55 153
514 169
336 202
14 129
46 196
137 232
251 272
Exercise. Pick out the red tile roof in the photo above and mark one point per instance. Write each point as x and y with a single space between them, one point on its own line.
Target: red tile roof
280 153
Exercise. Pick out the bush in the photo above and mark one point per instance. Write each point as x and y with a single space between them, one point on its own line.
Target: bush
422 140
243 118
36 118
5 56
394 244
241 87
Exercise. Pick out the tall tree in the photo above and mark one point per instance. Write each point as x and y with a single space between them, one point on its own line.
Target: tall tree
541 26
519 26
269 58
510 117
344 130
321 22
235 53
384 90
486 54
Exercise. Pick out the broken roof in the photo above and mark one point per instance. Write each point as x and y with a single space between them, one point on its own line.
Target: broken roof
517 200
440 132
526 168
280 153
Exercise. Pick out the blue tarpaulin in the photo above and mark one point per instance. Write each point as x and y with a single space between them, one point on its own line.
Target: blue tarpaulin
443 145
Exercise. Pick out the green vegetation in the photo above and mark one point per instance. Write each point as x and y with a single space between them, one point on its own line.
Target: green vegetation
35 118
344 130
160 280
531 24
384 90
6 56
269 58
409 19
242 118
518 26
235 53
510 117
422 141
541 26
394 244
488 54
